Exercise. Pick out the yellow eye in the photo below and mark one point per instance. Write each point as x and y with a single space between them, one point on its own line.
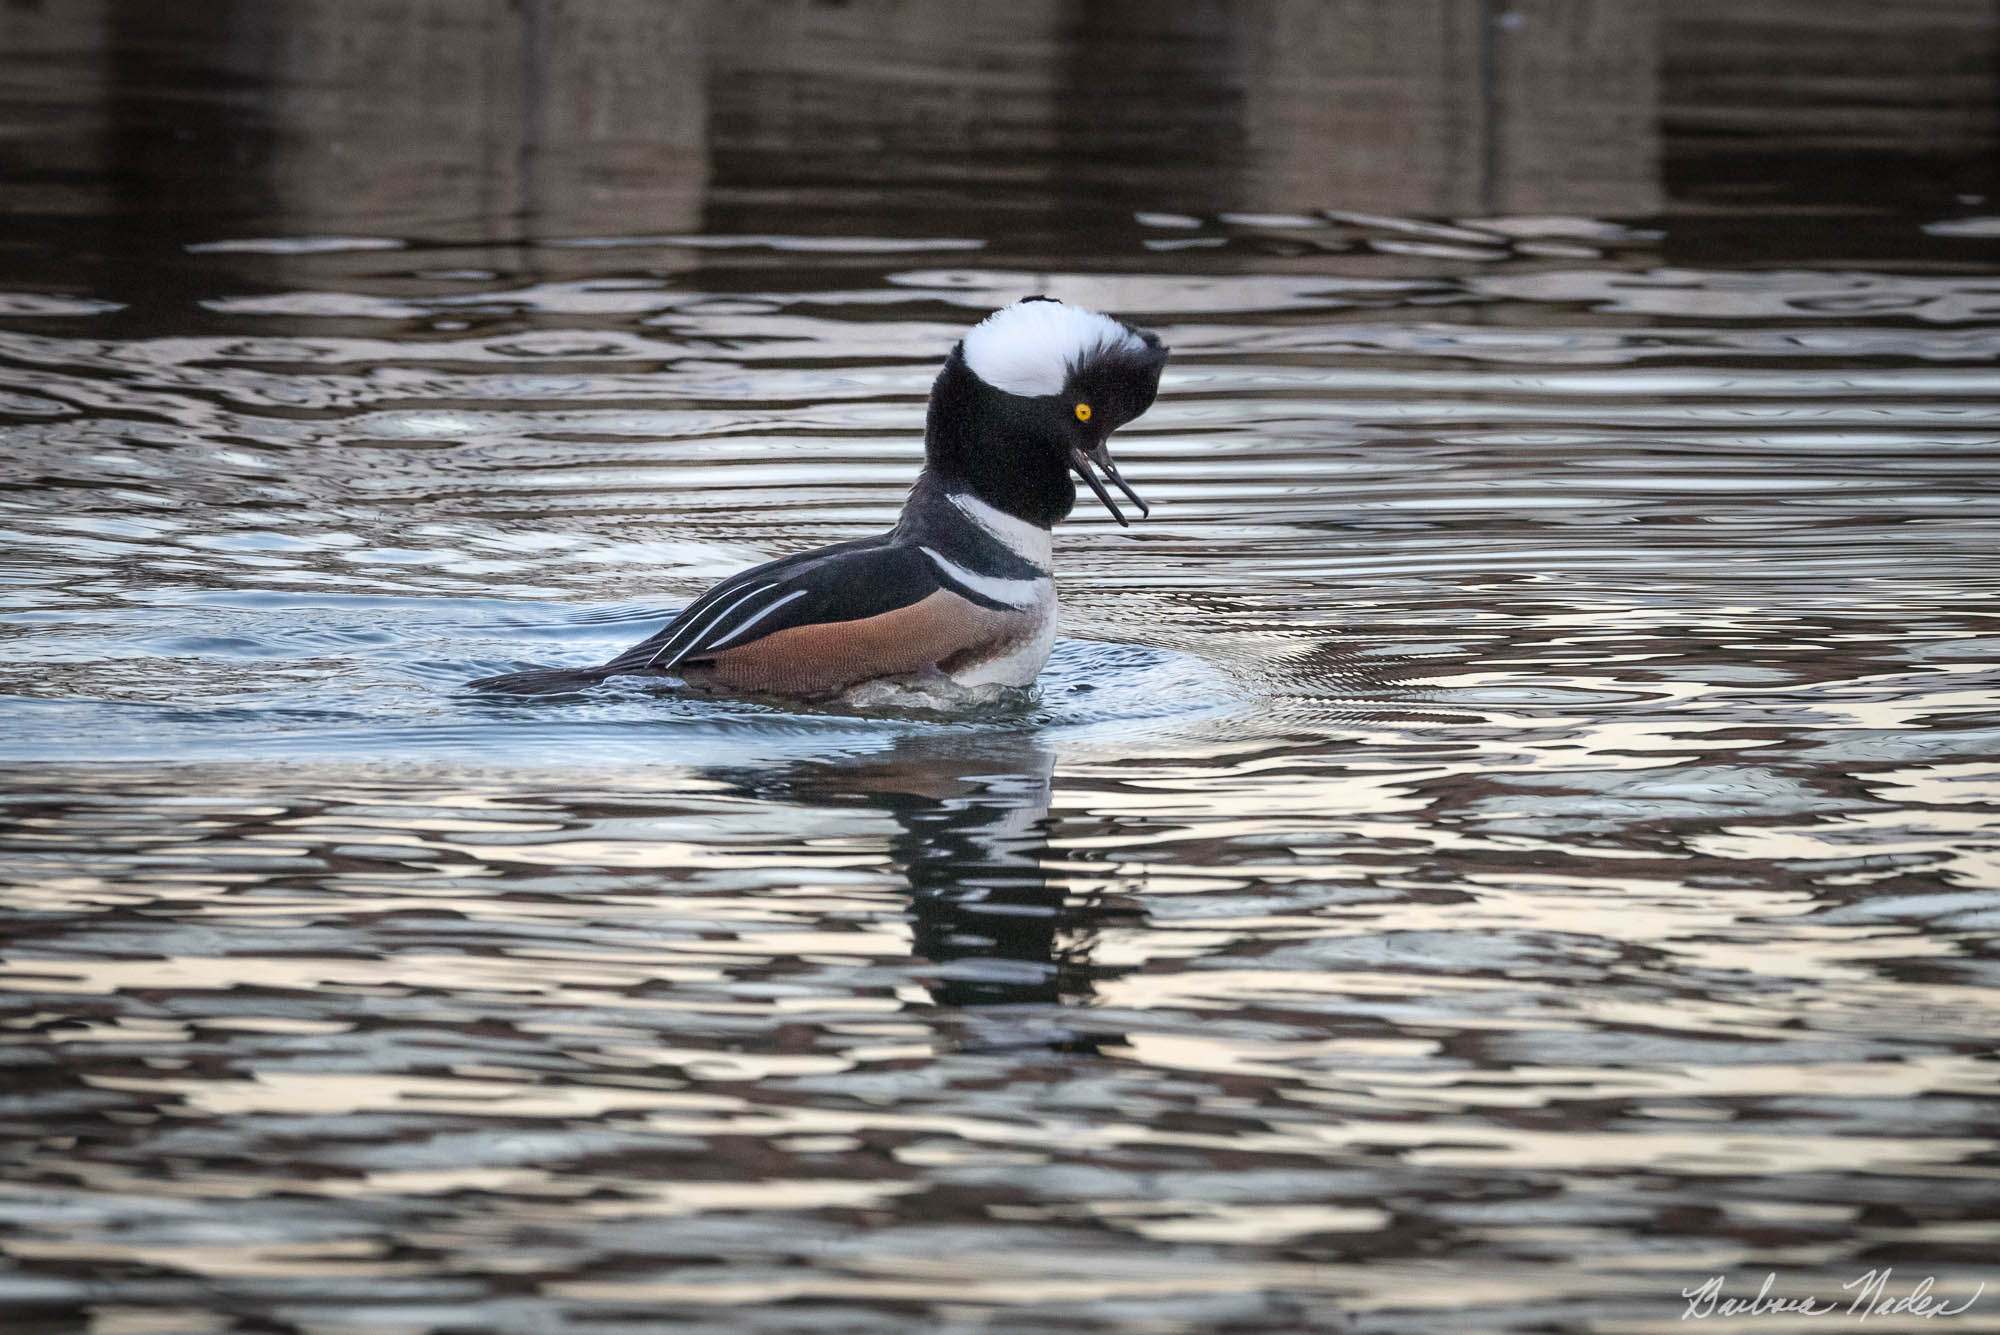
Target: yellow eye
1083 412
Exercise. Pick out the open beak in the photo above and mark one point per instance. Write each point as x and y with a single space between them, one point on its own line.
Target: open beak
1101 456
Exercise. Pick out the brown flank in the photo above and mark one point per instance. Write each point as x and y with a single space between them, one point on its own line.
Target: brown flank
943 632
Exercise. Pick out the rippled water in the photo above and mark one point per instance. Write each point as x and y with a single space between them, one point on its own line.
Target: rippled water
1513 836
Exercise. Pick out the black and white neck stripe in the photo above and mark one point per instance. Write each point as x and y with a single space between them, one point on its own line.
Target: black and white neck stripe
978 551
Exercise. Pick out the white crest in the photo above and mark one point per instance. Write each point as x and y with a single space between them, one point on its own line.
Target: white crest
1032 346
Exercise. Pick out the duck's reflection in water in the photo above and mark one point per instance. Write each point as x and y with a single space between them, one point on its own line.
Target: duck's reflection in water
992 910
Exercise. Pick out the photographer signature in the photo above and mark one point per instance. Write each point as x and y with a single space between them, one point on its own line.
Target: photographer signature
1871 1298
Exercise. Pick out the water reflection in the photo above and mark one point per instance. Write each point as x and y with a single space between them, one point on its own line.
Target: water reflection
1512 834
996 923
490 126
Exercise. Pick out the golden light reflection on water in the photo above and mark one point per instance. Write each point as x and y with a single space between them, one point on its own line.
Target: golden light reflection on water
1510 836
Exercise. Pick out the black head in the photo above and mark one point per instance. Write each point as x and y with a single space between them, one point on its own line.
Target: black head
1027 400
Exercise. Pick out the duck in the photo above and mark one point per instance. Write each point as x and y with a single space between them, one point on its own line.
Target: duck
962 586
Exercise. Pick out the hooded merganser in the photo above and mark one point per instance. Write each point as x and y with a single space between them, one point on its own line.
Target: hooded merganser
961 585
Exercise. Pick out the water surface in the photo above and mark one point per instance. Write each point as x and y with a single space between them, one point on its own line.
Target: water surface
1514 835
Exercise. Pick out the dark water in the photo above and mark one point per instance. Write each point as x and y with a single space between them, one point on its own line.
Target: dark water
1513 837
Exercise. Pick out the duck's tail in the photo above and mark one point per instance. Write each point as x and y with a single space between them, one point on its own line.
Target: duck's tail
540 681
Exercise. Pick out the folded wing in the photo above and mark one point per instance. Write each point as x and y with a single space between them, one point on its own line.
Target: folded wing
851 582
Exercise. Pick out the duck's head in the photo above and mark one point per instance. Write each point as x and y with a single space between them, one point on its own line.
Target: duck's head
1033 392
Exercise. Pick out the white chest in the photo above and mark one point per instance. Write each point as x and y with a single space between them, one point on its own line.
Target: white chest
1021 658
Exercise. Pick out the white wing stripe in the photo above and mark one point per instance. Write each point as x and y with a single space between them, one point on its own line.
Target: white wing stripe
1015 593
683 635
759 616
